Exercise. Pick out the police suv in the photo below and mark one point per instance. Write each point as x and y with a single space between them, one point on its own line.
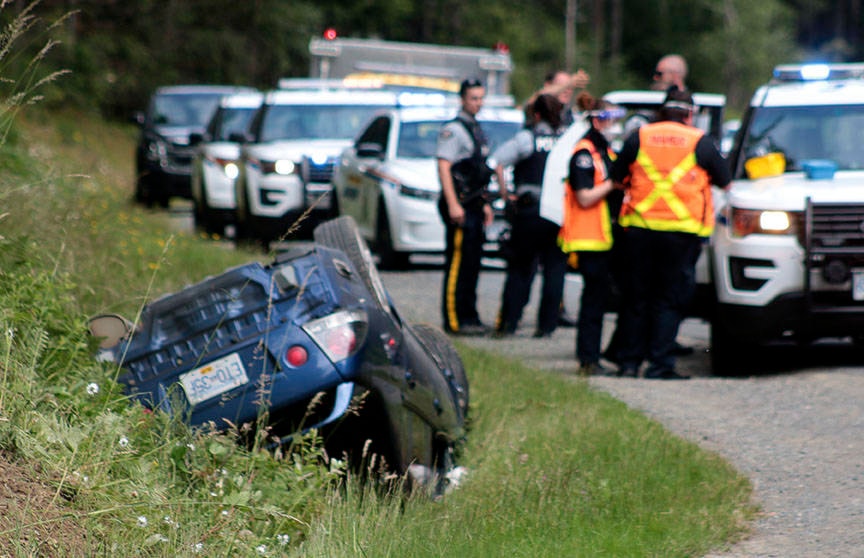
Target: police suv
787 254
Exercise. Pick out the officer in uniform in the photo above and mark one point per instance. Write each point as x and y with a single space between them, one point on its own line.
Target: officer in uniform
591 208
464 207
533 239
666 169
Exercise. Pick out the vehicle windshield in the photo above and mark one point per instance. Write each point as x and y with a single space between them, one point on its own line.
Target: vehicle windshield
420 139
288 122
184 109
229 121
813 132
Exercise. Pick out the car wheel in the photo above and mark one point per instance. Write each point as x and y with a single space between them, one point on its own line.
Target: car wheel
441 349
388 256
204 218
342 233
143 192
728 353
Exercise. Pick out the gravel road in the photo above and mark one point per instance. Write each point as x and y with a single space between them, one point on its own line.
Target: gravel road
796 430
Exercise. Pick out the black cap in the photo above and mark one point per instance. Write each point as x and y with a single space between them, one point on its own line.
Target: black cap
468 84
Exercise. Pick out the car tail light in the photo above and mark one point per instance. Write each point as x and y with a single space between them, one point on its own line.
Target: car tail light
339 335
296 356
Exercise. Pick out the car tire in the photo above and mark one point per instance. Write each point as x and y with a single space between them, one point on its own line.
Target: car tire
342 234
441 349
729 353
144 192
389 257
203 217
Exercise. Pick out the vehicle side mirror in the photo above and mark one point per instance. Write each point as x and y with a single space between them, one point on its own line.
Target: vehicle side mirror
110 329
370 149
195 138
239 137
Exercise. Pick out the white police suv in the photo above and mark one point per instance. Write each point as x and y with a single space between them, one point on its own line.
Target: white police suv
287 162
787 253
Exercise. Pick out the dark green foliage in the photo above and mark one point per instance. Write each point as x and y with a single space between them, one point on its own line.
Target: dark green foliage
118 52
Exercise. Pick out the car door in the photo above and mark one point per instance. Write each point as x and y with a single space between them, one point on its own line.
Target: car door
359 180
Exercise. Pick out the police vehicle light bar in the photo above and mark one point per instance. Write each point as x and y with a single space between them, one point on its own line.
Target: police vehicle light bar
818 72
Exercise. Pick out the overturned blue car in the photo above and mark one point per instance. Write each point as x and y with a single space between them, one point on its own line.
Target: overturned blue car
311 340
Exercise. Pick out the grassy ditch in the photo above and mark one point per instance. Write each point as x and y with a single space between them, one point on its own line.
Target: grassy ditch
554 468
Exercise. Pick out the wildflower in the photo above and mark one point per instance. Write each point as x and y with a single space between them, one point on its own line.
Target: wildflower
224 513
142 521
92 388
124 442
283 539
261 549
191 446
10 333
197 547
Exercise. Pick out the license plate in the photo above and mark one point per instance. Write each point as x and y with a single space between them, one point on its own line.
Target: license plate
214 379
858 285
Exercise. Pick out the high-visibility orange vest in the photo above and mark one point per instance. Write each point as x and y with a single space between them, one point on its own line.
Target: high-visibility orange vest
587 229
668 190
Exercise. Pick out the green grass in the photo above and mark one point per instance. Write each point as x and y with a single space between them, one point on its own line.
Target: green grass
554 468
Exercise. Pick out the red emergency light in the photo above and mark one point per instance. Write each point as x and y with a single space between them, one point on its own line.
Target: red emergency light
329 34
501 47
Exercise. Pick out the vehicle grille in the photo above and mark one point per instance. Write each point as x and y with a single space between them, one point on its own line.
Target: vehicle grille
321 172
836 227
834 244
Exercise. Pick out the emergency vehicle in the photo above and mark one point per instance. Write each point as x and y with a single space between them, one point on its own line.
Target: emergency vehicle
787 253
405 65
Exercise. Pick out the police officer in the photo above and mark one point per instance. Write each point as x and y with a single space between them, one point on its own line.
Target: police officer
464 176
533 239
591 208
666 169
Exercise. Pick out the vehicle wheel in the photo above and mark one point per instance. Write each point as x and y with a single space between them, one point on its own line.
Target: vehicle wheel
388 256
728 353
204 220
342 233
441 348
143 192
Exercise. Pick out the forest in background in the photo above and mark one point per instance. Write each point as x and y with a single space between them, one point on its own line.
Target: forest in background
116 52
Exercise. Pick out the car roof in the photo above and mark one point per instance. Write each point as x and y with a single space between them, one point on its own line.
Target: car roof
344 96
803 85
202 88
242 100
448 112
655 98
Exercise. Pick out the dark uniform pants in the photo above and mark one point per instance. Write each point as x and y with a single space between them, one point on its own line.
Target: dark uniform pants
595 268
462 257
534 243
658 281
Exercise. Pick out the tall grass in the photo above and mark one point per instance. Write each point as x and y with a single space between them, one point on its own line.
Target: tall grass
554 468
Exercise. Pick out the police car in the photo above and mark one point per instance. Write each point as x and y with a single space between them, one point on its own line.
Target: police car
787 253
287 160
214 166
387 180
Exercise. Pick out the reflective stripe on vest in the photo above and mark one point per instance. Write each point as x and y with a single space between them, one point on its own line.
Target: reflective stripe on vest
679 200
586 229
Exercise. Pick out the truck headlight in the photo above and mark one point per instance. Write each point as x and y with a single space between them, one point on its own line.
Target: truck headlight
279 166
755 221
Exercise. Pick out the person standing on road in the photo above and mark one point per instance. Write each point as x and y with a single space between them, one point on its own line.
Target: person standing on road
666 170
591 205
533 239
464 176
